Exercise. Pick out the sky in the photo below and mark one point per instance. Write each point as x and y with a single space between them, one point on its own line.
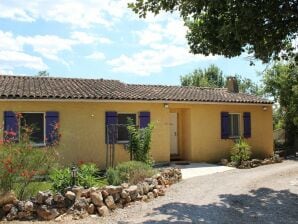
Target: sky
101 39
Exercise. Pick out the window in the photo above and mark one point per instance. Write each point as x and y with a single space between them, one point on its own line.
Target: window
234 125
122 130
36 122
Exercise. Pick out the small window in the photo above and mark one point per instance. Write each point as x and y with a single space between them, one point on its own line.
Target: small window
36 122
234 125
122 130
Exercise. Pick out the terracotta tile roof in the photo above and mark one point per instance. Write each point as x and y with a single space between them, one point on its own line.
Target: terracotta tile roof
29 87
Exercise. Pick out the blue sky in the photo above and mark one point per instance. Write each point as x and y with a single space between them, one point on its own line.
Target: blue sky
101 39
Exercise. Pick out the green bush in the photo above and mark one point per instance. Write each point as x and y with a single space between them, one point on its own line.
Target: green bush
131 172
240 151
139 144
21 162
60 179
86 177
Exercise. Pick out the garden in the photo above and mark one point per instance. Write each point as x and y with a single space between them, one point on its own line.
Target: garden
33 186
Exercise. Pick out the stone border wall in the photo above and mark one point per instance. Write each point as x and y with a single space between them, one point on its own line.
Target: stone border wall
80 202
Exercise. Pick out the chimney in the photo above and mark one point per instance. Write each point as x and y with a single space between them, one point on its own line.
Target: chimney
232 84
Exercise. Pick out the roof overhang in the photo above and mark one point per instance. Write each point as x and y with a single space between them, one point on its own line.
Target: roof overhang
133 101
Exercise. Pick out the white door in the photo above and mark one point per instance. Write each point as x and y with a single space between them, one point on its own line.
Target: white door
174 136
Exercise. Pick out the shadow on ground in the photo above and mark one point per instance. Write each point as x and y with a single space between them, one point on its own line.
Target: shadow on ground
259 206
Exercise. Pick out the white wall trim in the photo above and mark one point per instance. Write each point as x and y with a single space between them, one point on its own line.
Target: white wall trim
130 101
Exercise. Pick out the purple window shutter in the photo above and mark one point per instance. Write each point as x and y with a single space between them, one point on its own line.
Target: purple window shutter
247 125
224 125
11 126
144 119
110 128
52 122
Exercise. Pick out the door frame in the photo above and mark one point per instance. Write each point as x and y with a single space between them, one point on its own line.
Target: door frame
177 134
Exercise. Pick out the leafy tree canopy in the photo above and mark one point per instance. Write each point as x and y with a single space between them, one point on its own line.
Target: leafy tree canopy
281 82
262 28
213 77
43 73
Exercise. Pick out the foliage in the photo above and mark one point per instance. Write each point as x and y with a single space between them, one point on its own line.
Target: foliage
210 77
131 172
43 73
213 77
60 179
230 28
139 144
240 151
32 189
281 82
87 176
20 162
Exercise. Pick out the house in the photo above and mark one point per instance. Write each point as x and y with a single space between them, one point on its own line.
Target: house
191 123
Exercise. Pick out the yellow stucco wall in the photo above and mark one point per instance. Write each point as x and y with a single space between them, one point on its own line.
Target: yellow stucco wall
83 131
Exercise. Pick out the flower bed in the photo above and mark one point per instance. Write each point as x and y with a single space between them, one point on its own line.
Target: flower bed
80 202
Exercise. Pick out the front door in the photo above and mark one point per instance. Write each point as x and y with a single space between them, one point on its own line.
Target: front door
174 135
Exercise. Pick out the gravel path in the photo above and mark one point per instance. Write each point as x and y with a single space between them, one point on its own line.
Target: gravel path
266 194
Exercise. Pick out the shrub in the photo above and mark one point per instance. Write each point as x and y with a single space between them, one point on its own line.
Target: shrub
139 144
240 151
131 172
86 177
60 178
20 162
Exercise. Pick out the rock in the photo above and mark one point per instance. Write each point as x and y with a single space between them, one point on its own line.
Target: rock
77 191
116 197
28 206
85 193
150 195
25 215
224 162
155 192
133 192
13 214
232 164
81 204
124 194
140 189
7 198
113 189
96 198
145 198
47 214
103 211
6 208
161 192
91 209
104 193
145 187
128 199
149 180
124 185
41 197
70 195
244 165
58 198
49 201
110 202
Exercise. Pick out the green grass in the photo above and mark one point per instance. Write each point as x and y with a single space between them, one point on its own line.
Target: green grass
32 189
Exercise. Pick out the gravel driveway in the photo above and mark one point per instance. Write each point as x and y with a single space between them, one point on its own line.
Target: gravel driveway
266 194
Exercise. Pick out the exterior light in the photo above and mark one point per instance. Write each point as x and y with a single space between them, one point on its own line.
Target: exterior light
265 108
74 174
166 105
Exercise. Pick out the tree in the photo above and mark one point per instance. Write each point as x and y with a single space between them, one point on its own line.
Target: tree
210 77
213 77
264 29
43 73
281 82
